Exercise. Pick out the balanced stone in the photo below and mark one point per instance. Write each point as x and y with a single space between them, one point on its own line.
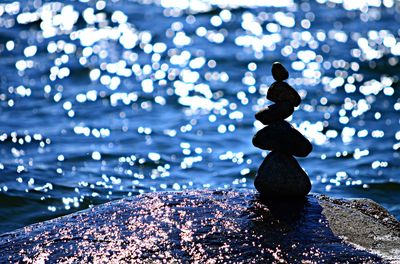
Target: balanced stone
281 136
275 112
280 175
281 91
279 72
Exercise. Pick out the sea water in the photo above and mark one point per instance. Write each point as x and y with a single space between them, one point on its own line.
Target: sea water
103 100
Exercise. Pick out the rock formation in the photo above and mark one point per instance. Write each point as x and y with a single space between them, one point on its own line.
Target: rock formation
280 175
204 226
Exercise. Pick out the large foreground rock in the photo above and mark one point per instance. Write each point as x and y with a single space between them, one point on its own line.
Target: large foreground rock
211 227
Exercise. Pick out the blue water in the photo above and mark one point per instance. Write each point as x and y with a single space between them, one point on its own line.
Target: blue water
100 101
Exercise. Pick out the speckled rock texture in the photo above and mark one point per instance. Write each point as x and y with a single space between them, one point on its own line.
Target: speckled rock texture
232 226
364 223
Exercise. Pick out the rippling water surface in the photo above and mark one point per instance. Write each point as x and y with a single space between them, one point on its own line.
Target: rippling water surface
103 100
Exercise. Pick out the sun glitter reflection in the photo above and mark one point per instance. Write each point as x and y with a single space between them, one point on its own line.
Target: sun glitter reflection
101 104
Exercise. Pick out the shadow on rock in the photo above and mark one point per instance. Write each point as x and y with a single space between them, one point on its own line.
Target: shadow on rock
297 229
289 210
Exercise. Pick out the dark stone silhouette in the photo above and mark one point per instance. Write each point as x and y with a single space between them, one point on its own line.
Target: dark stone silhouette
277 174
281 91
280 175
281 136
275 112
279 72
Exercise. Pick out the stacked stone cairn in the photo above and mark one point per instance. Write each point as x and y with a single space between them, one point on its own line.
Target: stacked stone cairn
280 175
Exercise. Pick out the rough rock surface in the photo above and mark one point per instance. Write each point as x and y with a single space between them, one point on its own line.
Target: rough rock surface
281 91
370 226
281 136
274 113
207 227
280 175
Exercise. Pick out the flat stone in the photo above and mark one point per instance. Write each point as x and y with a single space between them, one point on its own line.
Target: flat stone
280 175
279 72
281 136
205 226
281 91
275 112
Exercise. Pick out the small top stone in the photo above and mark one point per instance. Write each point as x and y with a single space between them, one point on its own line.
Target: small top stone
279 72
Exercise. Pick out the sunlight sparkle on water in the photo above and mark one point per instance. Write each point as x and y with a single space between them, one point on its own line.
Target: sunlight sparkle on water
115 106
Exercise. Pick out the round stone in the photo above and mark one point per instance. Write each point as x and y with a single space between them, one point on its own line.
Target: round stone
280 175
281 136
275 112
281 91
279 72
